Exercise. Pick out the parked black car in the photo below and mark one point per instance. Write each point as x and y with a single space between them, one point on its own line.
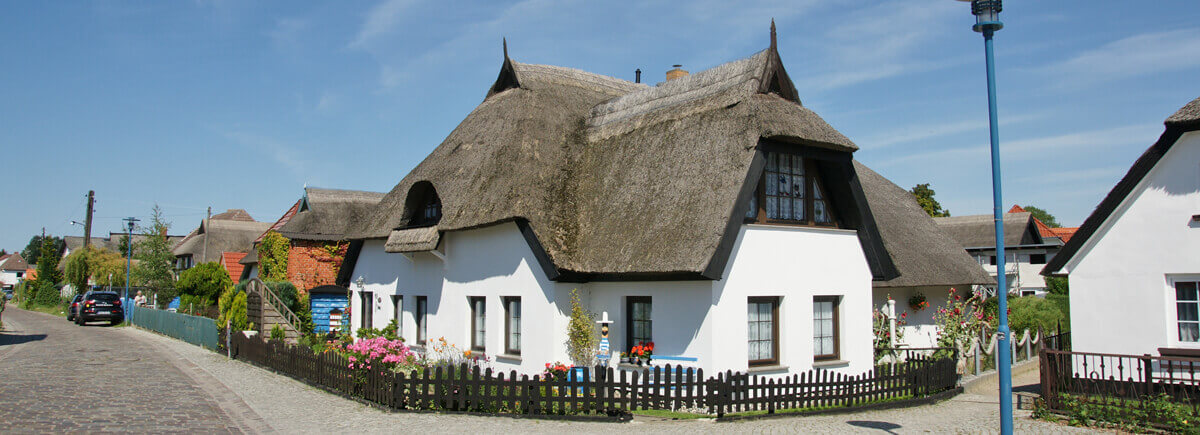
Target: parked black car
100 305
73 309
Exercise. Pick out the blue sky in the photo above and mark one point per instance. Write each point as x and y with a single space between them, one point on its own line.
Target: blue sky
235 104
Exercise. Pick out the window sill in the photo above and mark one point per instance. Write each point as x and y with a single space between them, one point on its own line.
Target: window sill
830 363
767 369
509 357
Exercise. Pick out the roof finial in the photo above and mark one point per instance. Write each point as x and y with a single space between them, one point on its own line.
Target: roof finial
772 33
505 42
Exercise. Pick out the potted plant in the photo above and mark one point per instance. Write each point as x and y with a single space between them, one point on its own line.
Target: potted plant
918 302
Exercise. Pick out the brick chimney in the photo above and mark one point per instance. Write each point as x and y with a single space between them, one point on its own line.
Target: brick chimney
678 72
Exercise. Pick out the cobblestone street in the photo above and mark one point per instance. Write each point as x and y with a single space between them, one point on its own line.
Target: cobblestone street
58 377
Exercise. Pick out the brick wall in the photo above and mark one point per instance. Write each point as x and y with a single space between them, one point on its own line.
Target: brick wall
310 265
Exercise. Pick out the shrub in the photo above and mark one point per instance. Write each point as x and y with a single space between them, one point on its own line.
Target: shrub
205 282
233 310
273 256
1033 313
47 294
286 292
194 305
277 332
581 333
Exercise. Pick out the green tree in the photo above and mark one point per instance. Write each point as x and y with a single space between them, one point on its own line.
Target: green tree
206 281
33 251
924 196
1057 285
47 265
1042 215
581 333
155 260
123 246
78 269
273 256
107 267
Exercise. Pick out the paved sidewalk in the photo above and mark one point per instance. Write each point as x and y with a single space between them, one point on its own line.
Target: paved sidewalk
289 406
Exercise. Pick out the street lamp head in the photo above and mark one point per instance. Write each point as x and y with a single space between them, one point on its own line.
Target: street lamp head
361 282
987 14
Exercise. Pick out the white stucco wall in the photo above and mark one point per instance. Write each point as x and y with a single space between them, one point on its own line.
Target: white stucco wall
700 319
919 330
1121 295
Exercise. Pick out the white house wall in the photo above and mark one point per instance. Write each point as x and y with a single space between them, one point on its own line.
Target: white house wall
795 263
492 262
920 329
1121 297
700 319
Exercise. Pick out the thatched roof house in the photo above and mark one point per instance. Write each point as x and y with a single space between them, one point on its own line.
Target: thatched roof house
620 180
979 231
325 214
232 231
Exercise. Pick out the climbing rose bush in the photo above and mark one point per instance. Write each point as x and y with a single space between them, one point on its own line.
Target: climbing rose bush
378 352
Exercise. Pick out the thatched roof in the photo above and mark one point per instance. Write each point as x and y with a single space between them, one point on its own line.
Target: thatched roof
923 253
611 178
113 241
1187 114
326 214
412 240
978 231
234 214
222 235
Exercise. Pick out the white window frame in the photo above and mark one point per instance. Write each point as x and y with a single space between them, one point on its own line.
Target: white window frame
1172 311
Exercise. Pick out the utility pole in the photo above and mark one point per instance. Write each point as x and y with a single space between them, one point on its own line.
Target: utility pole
204 257
87 224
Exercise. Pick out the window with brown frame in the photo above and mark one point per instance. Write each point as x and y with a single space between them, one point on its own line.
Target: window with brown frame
825 328
638 327
512 325
762 321
421 317
478 322
790 192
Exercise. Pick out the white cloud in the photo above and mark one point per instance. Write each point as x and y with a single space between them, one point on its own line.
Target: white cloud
380 20
1137 55
925 132
1085 174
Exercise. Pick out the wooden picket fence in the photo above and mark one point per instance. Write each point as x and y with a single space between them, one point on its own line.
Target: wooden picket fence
599 391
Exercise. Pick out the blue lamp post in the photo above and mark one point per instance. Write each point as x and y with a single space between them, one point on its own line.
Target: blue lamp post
987 22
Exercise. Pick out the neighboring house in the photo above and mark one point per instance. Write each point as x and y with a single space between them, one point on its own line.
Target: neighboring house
12 270
1026 249
930 261
1133 266
231 231
316 227
712 214
112 243
1047 232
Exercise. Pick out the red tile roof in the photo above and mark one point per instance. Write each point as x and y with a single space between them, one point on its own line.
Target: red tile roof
1045 230
231 262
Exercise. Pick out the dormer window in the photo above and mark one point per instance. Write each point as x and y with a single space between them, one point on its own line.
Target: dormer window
790 192
423 206
433 210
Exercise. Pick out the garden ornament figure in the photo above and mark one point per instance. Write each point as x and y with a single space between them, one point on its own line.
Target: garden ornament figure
604 351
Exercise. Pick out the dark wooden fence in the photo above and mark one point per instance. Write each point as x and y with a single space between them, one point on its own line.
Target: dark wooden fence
599 391
1122 384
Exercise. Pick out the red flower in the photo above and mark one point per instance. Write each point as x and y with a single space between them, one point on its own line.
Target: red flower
650 346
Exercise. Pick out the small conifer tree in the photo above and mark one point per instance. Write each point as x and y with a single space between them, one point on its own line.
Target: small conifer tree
581 333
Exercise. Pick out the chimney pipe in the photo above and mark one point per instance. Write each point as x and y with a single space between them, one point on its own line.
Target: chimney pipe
676 73
637 75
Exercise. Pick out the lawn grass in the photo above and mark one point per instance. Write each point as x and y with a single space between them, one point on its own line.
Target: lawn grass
54 311
674 415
